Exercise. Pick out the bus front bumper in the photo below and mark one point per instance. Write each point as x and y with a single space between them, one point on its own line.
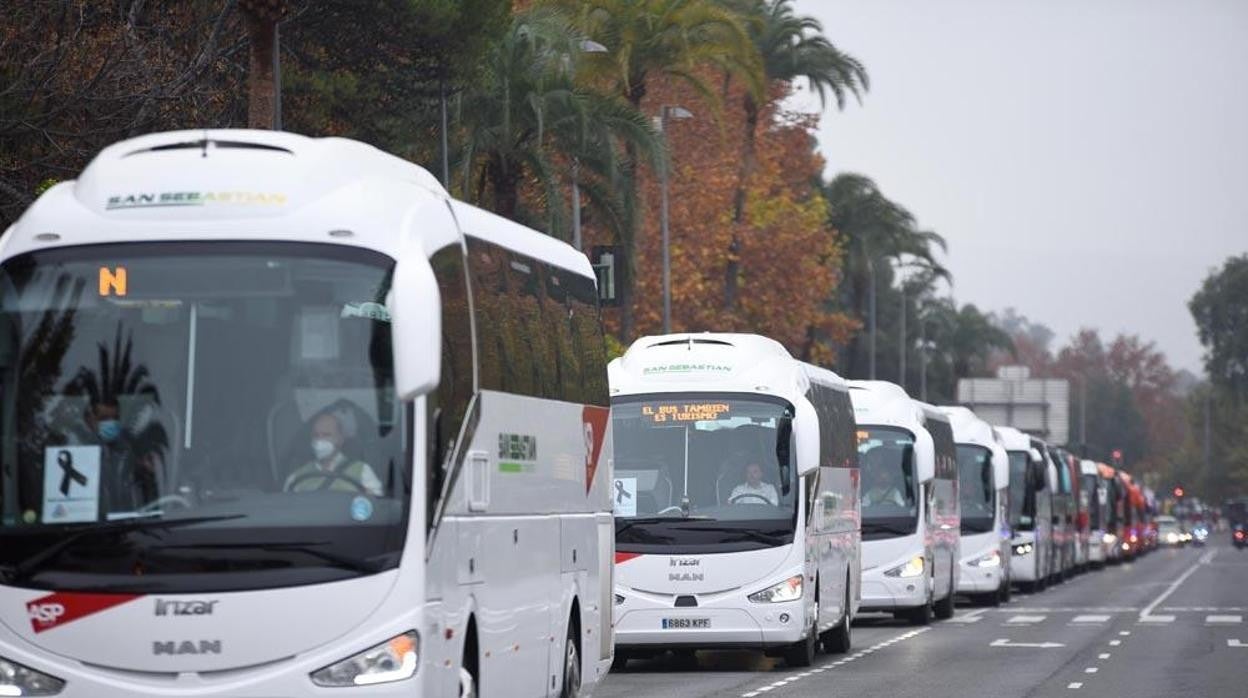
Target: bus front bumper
976 579
883 593
640 623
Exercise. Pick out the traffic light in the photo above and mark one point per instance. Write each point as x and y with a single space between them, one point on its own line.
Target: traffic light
1178 491
1117 454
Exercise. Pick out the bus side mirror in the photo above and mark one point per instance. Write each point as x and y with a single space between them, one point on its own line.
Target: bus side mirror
415 326
924 457
1000 468
806 436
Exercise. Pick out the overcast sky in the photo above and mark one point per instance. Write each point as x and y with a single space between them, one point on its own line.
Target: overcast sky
1087 160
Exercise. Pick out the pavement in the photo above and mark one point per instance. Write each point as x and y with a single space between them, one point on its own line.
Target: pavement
1168 624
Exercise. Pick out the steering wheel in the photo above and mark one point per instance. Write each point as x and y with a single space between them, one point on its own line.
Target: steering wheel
736 499
332 475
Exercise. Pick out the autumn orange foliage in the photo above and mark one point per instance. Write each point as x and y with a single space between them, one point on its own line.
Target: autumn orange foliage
790 259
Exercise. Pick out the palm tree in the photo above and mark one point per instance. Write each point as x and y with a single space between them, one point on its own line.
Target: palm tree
875 233
791 48
529 111
672 39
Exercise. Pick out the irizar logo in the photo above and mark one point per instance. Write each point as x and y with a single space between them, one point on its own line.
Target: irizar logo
46 613
174 647
184 608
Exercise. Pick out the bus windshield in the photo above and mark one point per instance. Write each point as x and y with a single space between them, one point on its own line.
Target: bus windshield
188 417
975 492
889 502
703 472
1022 496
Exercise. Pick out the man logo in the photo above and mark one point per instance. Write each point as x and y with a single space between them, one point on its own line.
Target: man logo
186 647
686 577
112 281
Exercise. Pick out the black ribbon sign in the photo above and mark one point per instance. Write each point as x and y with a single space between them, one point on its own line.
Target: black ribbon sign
69 472
620 493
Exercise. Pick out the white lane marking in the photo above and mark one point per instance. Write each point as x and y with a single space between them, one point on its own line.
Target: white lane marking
843 660
1211 620
1236 643
1170 588
1090 670
1098 618
1115 643
1003 642
1156 620
1067 609
972 617
1103 655
1074 684
1124 632
1204 609
1025 620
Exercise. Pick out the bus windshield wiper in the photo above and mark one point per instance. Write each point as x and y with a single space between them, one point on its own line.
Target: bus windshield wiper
881 527
622 525
313 548
24 569
749 533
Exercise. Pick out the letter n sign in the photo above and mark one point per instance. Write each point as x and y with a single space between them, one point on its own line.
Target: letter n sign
112 281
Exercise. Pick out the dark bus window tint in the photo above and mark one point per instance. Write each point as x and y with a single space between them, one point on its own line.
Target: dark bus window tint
522 322
846 430
558 310
487 264
456 386
946 453
587 339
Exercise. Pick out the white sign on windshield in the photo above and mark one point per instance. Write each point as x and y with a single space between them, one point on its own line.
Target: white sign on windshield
71 484
624 496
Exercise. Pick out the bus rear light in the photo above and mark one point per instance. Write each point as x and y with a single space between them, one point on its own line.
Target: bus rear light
393 660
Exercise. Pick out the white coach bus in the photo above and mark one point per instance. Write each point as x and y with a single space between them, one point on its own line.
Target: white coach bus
909 503
983 492
736 499
1032 479
279 417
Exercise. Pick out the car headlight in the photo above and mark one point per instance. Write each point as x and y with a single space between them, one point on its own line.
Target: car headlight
788 590
992 559
1109 539
19 680
913 568
1172 537
393 660
1024 549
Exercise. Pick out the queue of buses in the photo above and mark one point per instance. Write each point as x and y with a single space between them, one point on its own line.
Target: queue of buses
279 416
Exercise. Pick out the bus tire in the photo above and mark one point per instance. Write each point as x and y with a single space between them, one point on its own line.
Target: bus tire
921 615
802 653
944 607
620 661
840 639
571 687
469 674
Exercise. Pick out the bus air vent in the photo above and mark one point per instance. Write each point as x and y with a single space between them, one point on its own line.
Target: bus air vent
202 145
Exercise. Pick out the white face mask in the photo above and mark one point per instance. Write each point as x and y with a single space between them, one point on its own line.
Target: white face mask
323 448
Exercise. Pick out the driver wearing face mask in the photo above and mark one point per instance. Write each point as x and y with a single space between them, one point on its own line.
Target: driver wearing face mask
128 481
330 468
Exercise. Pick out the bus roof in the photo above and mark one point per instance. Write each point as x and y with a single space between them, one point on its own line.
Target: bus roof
241 184
1013 439
968 428
1087 467
885 404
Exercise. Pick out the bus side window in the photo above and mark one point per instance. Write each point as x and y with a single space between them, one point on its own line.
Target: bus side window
588 340
557 310
456 386
487 264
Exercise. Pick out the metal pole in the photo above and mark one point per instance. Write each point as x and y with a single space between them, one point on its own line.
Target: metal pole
576 203
1083 413
667 263
446 155
901 349
1208 434
922 358
871 319
277 78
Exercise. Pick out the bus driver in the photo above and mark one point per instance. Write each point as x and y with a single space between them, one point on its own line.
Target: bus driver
330 469
885 486
754 490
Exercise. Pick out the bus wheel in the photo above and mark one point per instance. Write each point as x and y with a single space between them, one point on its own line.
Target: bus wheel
838 640
1005 591
571 664
944 607
921 615
802 653
468 666
620 661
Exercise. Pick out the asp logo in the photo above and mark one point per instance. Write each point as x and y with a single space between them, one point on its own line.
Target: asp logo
45 613
57 609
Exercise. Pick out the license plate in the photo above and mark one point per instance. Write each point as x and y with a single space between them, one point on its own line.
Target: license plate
686 623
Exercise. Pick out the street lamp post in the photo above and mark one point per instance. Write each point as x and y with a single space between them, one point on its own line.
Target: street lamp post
665 113
587 46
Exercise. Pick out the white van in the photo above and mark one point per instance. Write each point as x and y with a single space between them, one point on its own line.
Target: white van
909 503
983 492
736 499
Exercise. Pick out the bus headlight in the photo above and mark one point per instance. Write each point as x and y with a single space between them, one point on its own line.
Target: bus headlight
788 590
19 680
992 559
1109 539
913 568
393 660
1024 549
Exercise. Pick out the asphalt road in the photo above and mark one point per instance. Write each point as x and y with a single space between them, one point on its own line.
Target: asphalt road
1169 624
